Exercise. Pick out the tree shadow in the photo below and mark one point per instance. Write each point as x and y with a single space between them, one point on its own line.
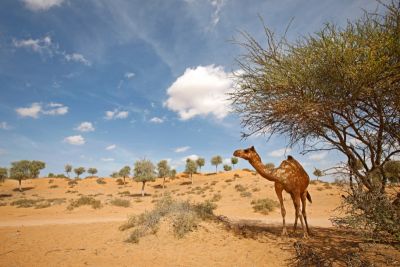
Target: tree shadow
23 189
157 186
139 195
5 195
185 183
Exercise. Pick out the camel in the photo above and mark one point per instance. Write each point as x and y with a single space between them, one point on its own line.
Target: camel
289 176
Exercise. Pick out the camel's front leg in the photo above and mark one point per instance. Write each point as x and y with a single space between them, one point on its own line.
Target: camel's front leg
278 190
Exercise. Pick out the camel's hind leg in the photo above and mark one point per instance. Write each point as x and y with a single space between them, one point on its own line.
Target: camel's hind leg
295 214
278 190
303 209
298 213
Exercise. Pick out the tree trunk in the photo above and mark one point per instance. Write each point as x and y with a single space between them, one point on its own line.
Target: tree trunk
124 181
163 183
191 177
143 189
216 169
20 188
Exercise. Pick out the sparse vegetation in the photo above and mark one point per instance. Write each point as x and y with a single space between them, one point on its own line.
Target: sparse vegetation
25 169
144 171
101 181
264 205
124 173
68 169
53 186
79 171
92 171
163 170
216 161
240 188
120 202
120 181
234 161
84 200
200 162
37 203
183 216
3 174
191 167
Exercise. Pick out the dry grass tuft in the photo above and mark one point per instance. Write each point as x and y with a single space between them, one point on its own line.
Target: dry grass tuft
120 202
84 200
264 206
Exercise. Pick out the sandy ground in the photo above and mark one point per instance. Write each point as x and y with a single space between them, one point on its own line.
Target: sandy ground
55 236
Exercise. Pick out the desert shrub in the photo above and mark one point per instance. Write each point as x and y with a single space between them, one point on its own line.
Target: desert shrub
120 202
51 181
24 203
120 182
245 194
84 200
240 188
256 189
228 180
53 186
320 188
37 203
327 186
124 193
264 205
71 191
100 181
183 215
313 182
236 176
216 197
72 182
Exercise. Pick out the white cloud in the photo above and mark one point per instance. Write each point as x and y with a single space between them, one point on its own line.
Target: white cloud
85 127
156 120
116 114
200 91
279 152
318 156
111 147
217 5
76 57
192 157
55 105
129 75
107 159
32 111
40 45
227 161
4 125
182 149
56 111
75 140
39 5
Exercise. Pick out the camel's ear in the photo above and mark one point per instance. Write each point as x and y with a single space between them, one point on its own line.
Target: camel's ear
252 148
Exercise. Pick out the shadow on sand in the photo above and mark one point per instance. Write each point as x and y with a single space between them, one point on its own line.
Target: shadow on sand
23 189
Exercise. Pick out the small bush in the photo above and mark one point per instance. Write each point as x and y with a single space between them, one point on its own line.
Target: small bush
228 180
245 194
24 203
124 193
120 202
264 206
71 191
53 186
240 188
100 181
216 197
213 182
184 222
84 200
72 182
119 181
236 176
37 203
51 181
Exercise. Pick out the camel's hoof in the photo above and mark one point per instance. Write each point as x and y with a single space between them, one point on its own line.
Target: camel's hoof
284 233
306 236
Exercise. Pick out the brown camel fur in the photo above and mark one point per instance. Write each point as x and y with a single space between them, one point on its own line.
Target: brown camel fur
289 176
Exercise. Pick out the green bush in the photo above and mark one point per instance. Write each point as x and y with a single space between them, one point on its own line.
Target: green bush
264 205
84 200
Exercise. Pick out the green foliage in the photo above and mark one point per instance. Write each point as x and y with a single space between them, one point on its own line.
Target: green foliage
392 170
124 172
34 168
115 175
227 167
163 169
191 167
318 173
92 171
216 161
84 200
234 161
3 174
79 171
172 174
264 205
25 169
200 162
68 169
144 171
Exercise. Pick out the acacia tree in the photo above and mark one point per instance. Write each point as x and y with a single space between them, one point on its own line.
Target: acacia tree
163 170
20 170
318 173
335 90
3 174
227 167
144 171
68 169
191 167
234 161
92 171
34 168
124 172
79 171
200 162
216 161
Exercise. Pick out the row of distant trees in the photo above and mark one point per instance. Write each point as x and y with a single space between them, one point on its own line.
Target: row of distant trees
23 169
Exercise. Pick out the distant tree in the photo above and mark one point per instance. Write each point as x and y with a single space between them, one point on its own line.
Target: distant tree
216 161
234 161
200 163
172 174
51 175
92 171
269 166
318 173
68 169
3 174
20 170
34 168
163 170
191 167
227 167
124 172
79 171
115 175
392 170
144 171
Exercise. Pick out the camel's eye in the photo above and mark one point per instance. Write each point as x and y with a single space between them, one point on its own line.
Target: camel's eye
246 150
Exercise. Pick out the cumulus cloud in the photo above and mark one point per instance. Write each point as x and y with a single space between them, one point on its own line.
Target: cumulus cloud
156 120
129 75
4 125
182 149
318 156
279 152
192 157
116 114
35 109
107 159
75 140
32 111
111 147
41 5
85 127
200 91
76 57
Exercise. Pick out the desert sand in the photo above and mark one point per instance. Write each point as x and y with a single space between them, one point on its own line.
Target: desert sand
55 236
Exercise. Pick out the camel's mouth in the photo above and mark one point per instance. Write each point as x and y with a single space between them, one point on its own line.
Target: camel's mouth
237 153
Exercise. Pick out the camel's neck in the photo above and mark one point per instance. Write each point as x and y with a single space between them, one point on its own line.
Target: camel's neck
260 168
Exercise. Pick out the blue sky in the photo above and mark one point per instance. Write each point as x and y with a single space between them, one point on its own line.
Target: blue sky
102 83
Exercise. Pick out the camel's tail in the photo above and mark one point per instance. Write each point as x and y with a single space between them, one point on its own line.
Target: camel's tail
309 197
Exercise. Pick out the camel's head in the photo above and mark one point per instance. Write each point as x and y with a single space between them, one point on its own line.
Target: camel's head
247 154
